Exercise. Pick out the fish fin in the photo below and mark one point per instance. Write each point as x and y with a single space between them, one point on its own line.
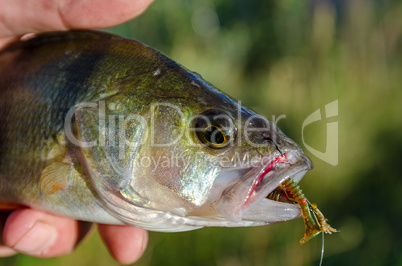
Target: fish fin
9 206
53 177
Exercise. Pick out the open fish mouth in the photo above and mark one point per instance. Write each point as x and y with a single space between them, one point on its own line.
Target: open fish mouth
256 197
272 175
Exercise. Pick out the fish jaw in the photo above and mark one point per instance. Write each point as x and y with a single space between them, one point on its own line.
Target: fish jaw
245 201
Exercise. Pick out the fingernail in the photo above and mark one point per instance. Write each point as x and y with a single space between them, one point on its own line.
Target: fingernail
6 251
37 240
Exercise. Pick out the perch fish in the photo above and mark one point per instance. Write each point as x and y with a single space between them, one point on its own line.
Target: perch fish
105 129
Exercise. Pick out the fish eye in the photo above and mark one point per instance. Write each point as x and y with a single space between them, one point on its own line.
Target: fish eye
213 135
215 129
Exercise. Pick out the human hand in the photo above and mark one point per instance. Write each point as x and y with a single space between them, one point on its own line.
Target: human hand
38 233
44 235
18 17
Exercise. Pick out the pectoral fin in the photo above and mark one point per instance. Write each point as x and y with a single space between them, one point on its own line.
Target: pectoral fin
53 177
9 206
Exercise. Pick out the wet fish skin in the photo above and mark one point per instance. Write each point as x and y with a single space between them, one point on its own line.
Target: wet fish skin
52 76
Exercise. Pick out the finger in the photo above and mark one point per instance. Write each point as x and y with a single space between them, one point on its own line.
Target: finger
6 251
7 40
41 234
125 243
18 17
99 13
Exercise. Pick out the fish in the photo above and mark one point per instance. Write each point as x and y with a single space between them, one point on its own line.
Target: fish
106 129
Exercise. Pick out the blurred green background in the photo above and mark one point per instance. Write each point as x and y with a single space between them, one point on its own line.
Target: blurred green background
292 57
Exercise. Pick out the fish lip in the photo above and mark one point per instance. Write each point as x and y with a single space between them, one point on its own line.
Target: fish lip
273 173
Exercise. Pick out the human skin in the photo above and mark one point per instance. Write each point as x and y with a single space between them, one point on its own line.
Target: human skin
35 232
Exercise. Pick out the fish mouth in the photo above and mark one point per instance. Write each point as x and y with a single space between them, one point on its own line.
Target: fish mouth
271 176
250 198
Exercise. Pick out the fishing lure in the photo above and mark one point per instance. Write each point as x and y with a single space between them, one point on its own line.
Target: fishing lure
314 220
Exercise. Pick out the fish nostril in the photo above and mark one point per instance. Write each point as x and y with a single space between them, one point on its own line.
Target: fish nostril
266 135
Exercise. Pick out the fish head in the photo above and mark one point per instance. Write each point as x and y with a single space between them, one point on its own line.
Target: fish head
177 154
